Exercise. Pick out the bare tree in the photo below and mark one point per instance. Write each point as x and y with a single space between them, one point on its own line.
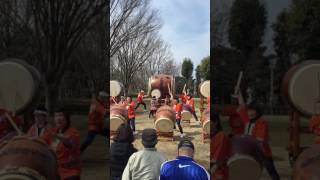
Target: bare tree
129 20
171 67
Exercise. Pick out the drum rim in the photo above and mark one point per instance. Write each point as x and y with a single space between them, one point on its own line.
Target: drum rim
24 66
158 91
201 88
205 124
21 172
163 118
115 82
297 72
183 113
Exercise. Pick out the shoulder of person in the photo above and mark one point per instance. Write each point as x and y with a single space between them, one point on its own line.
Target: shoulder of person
73 132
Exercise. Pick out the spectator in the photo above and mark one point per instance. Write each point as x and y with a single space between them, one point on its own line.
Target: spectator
145 164
120 151
183 167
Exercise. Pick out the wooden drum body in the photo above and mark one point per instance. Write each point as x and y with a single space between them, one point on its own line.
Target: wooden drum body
24 158
186 112
205 120
158 85
165 119
204 88
301 87
246 159
19 85
116 88
307 166
118 116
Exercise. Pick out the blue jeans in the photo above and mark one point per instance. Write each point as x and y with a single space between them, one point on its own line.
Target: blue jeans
269 165
132 124
90 137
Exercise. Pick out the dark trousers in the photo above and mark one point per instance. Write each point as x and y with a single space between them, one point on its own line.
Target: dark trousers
179 125
271 169
132 123
90 138
152 112
195 115
144 104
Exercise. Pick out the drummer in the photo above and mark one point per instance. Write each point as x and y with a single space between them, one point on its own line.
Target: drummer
153 106
190 102
220 150
315 128
167 100
39 129
140 100
65 141
6 129
131 114
123 101
177 107
97 112
257 127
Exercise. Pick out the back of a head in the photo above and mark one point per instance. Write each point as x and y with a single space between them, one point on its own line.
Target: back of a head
124 134
149 138
186 148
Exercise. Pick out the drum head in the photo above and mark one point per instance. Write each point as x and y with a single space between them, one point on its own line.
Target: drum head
164 125
116 121
186 115
244 167
20 173
205 89
156 93
115 88
304 89
206 127
18 86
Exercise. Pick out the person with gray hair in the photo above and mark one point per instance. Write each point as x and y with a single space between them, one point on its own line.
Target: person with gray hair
183 167
145 164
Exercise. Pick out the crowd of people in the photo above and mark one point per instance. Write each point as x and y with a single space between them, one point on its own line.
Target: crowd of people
127 163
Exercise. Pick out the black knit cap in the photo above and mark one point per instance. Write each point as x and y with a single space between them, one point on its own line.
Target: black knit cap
185 143
149 137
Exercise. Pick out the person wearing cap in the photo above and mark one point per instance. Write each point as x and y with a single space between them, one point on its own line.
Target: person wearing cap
153 106
183 167
145 164
39 129
220 150
257 127
140 100
98 109
190 102
120 151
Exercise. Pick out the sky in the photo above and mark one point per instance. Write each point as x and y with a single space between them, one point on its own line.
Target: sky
186 27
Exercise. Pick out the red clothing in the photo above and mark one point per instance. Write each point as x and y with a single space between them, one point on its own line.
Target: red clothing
208 101
183 98
68 158
315 128
259 130
235 123
5 125
130 108
44 133
220 152
96 114
191 103
178 109
140 97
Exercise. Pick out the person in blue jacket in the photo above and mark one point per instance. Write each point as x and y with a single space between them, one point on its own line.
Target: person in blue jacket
183 167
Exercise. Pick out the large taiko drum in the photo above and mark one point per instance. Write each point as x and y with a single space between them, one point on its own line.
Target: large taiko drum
204 88
307 165
186 112
301 87
158 85
24 158
19 85
205 120
116 88
118 116
246 159
165 118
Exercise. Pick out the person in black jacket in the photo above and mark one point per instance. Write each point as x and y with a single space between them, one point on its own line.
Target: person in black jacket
120 151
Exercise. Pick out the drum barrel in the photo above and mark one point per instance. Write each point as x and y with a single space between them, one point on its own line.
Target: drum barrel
161 82
164 116
118 116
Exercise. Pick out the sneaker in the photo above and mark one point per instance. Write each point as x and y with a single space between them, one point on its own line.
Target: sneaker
135 133
182 135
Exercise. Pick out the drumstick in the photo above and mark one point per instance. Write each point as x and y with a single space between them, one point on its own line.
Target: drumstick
114 100
184 88
14 125
237 87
